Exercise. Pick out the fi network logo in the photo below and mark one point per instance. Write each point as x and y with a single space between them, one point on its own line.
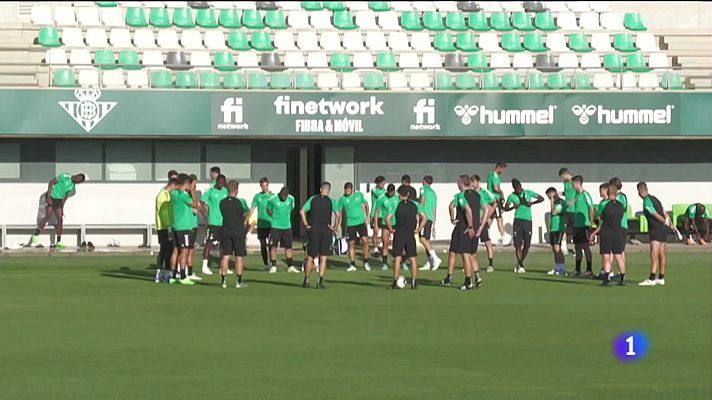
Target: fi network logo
232 115
88 111
424 111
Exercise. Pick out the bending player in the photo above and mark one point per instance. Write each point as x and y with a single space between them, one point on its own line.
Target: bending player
320 231
697 219
384 207
234 232
658 229
354 205
58 191
429 203
612 243
410 220
522 201
280 209
556 230
211 205
259 203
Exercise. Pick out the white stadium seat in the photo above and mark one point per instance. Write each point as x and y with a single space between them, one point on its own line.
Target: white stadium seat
603 81
490 6
590 61
80 57
284 5
137 79
64 16
568 60
375 40
240 5
499 60
648 81
321 19
56 57
353 41
96 37
408 60
143 38
330 41
398 41
420 41
397 80
366 20
215 39
388 20
600 6
307 41
298 20
489 42
601 42
168 39
152 58
522 60
626 81
556 42
363 60
447 6
589 20
112 17
350 81
88 77
88 16
658 60
419 80
41 14
121 38
646 42
432 60
578 6
247 59
511 6
113 79
284 40
556 6
357 6
191 39
401 6
423 6
327 80
200 59
317 59
294 59
612 21
72 37
180 4
567 21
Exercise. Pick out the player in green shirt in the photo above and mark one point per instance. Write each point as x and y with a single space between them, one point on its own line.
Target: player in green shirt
194 231
59 190
429 203
353 206
214 174
556 230
697 219
583 218
521 201
494 185
568 216
211 205
183 203
259 203
280 209
385 205
486 197
376 193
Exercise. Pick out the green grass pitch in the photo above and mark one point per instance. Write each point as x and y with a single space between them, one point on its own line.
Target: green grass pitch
98 327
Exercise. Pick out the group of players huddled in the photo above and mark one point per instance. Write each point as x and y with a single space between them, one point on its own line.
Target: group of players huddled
396 216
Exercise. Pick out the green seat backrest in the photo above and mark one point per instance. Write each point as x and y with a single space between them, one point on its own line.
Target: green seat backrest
643 223
410 20
443 81
186 79
678 213
512 42
511 81
556 81
379 6
579 42
105 59
536 81
183 18
224 61
252 19
256 80
544 21
233 81
500 21
48 37
533 41
135 17
613 62
209 80
466 42
280 80
455 21
374 81
634 22
489 81
522 21
443 41
340 62
64 78
344 20
304 80
161 79
276 19
478 21
106 3
629 213
583 81
624 42
466 81
229 19
159 18
261 40
477 62
335 5
128 59
636 62
206 18
237 40
672 80
386 61
312 5
433 20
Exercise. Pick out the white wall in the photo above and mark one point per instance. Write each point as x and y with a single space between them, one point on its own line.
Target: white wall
662 15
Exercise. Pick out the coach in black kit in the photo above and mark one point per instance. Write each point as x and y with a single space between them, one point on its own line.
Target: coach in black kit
410 220
612 236
320 232
234 231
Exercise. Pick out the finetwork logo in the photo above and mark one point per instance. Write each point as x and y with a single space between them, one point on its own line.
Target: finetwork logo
330 116
232 114
467 114
606 116
424 111
87 110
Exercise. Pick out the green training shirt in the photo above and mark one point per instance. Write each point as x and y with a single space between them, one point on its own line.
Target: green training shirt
556 224
182 211
63 186
385 206
353 207
486 197
569 194
212 197
523 212
431 201
281 212
624 202
582 204
260 202
492 181
692 212
601 207
376 194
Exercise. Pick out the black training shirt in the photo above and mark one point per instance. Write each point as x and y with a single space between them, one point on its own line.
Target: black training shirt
473 200
612 216
319 209
406 216
234 213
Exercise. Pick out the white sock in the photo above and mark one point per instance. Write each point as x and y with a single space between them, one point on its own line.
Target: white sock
205 263
433 254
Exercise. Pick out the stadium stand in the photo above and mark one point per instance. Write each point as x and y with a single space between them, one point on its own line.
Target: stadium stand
125 44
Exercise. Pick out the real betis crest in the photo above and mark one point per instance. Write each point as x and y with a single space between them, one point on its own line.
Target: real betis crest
87 110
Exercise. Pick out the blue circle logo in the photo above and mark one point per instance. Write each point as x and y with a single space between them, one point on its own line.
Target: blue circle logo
631 346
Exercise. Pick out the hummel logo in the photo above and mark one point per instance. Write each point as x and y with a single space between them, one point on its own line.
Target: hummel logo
584 112
466 113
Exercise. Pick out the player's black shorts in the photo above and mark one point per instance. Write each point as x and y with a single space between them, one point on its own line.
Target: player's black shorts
461 242
485 237
57 204
658 235
320 240
498 208
280 238
404 242
555 238
185 239
522 232
382 223
212 235
581 235
427 231
355 232
263 233
194 237
612 243
233 243
569 223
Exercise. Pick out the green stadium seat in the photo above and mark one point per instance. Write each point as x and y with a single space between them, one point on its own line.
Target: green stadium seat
304 81
64 78
224 61
636 62
186 80
233 81
209 80
613 62
386 61
276 19
443 42
536 81
466 42
433 20
374 81
511 81
105 59
556 81
206 18
48 37
522 21
673 81
257 80
135 17
500 21
312 5
252 19
544 21
106 3
335 5
280 80
159 18
583 81
455 21
624 42
477 21
128 59
678 214
340 62
478 62
466 81
237 40
261 40
512 42
410 20
161 79
634 22
489 81
183 18
534 42
229 19
344 20
443 81
578 42
379 6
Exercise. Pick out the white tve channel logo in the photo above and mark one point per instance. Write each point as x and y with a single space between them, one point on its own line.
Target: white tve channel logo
88 111
606 116
232 114
424 111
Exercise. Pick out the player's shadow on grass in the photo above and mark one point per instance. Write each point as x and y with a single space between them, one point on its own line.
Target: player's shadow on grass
572 281
296 284
128 273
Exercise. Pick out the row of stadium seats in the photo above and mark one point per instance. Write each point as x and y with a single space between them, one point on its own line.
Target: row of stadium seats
209 18
373 80
225 60
375 40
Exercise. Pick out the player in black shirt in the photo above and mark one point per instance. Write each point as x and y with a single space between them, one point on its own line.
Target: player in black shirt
410 220
658 227
612 236
320 231
412 194
234 231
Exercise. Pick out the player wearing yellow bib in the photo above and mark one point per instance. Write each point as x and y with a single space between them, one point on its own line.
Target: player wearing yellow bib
376 193
556 230
164 221
429 203
353 207
58 191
